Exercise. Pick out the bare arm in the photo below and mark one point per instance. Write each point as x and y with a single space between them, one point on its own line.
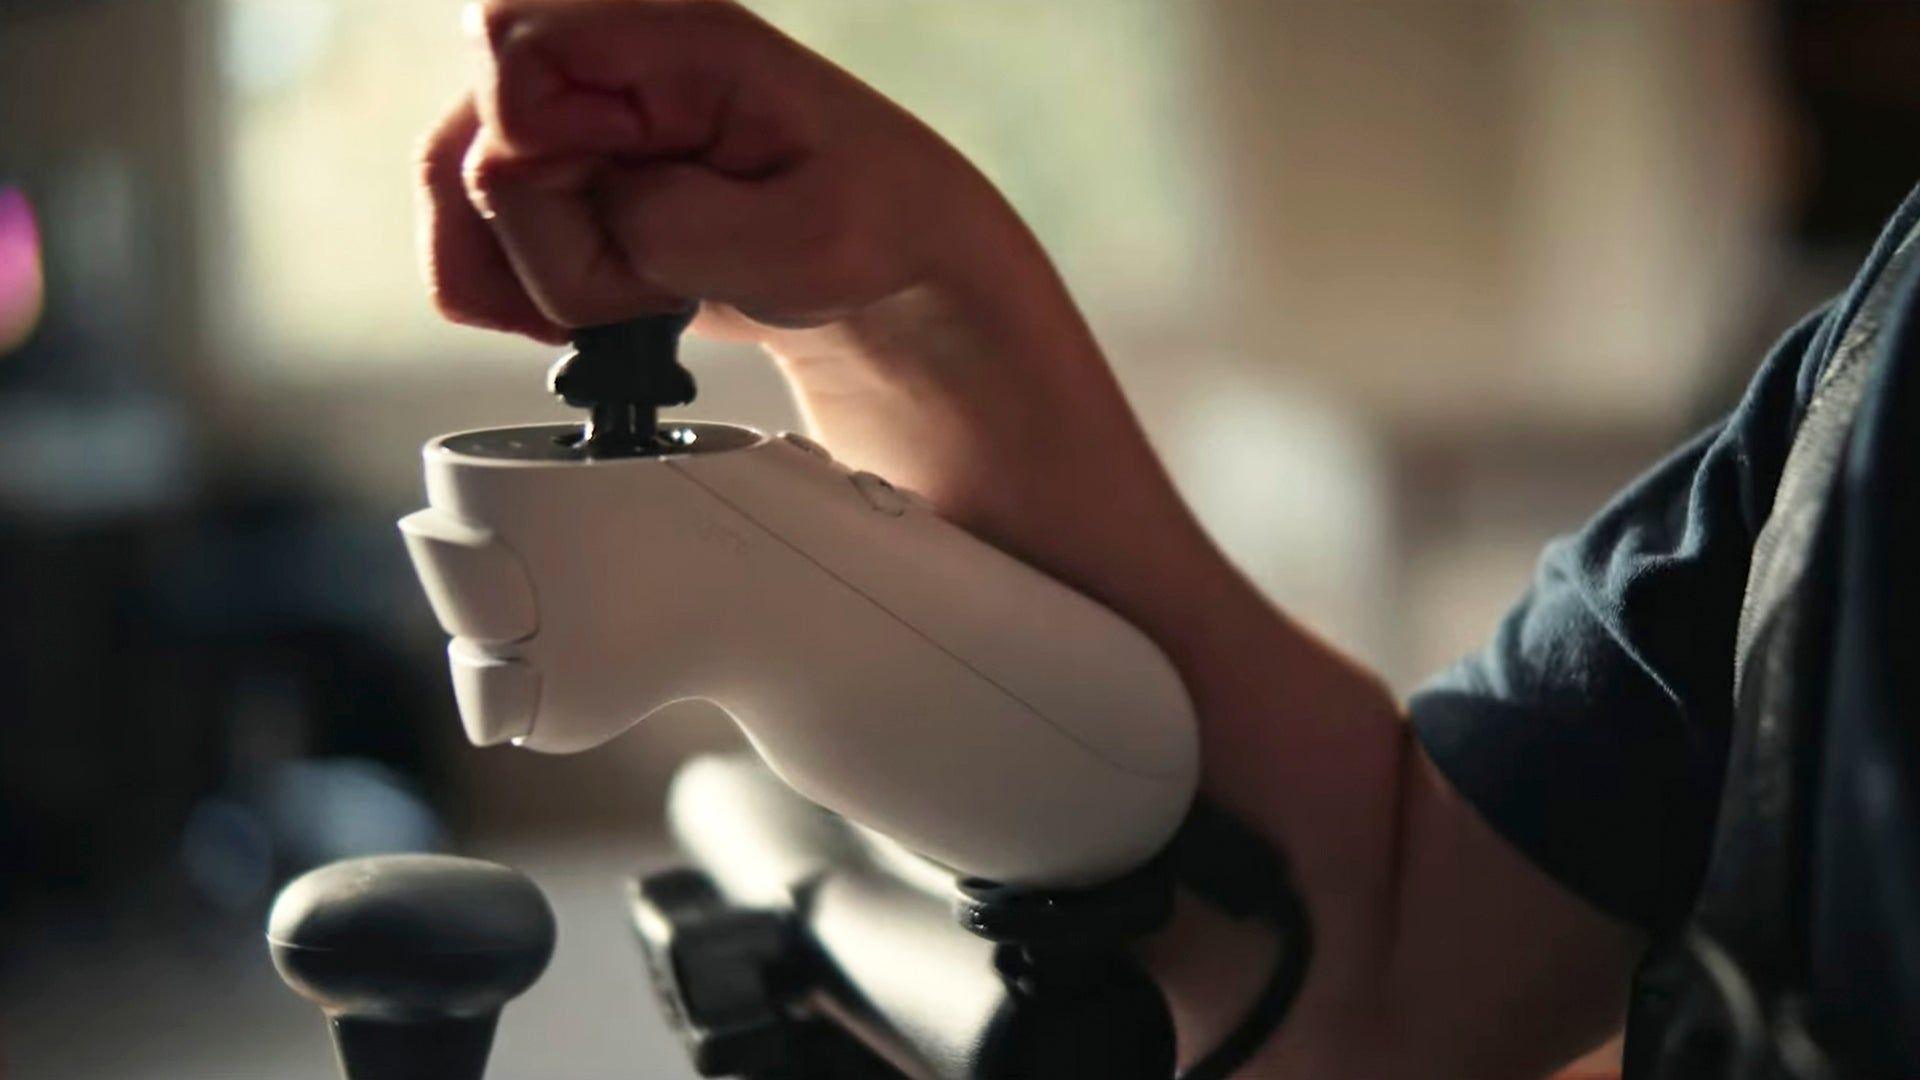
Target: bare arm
620 153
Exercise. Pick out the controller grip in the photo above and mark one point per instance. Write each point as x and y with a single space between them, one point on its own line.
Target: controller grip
884 662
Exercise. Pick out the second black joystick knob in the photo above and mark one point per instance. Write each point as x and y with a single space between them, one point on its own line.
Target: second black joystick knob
411 958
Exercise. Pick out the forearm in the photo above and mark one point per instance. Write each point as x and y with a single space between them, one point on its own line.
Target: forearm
1482 967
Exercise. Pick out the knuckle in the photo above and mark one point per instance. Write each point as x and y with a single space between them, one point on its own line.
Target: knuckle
433 166
437 153
513 113
497 19
486 174
522 75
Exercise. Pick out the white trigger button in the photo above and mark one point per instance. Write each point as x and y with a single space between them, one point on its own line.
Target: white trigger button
880 495
497 696
807 444
475 582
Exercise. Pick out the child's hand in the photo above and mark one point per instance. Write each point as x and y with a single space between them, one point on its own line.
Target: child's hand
617 156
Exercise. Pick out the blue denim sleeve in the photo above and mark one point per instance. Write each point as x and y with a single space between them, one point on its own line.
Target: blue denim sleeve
1592 730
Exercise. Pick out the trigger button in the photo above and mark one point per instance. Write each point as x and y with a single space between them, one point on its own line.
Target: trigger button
807 445
497 696
879 494
477 585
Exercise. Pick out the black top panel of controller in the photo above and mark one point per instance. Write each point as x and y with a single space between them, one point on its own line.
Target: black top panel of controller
561 442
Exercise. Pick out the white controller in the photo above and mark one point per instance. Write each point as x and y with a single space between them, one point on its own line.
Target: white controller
887 664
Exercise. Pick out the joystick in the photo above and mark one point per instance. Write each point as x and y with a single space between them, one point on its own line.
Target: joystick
624 373
411 958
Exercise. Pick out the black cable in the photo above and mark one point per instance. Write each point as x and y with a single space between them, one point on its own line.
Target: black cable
1215 856
1237 871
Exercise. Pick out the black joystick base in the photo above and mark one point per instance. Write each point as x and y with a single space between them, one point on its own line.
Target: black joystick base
624 373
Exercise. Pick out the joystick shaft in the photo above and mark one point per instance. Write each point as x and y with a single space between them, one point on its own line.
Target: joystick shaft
624 373
411 958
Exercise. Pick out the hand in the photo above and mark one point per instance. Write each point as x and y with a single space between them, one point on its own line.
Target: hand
617 156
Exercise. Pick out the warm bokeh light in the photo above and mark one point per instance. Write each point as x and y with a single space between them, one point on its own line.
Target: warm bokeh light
22 286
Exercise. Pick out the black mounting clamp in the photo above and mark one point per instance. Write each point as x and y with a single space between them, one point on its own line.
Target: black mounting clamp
795 948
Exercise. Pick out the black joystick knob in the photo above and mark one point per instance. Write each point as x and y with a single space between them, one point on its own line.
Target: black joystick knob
411 957
625 373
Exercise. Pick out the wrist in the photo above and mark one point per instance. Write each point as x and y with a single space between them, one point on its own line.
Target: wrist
978 301
982 387
979 362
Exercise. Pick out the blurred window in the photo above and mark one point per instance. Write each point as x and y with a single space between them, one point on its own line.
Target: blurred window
1073 106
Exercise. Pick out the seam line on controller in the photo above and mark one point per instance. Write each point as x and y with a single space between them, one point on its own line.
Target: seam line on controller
919 633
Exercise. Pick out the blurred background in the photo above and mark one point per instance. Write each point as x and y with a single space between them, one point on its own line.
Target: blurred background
1401 288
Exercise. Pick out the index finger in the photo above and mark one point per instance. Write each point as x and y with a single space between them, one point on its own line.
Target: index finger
466 270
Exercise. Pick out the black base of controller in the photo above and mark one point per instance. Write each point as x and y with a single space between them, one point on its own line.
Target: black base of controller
858 967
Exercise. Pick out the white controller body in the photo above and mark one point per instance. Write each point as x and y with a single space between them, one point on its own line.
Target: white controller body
886 663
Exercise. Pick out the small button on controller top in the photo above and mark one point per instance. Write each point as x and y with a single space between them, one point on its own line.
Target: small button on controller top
881 495
794 438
